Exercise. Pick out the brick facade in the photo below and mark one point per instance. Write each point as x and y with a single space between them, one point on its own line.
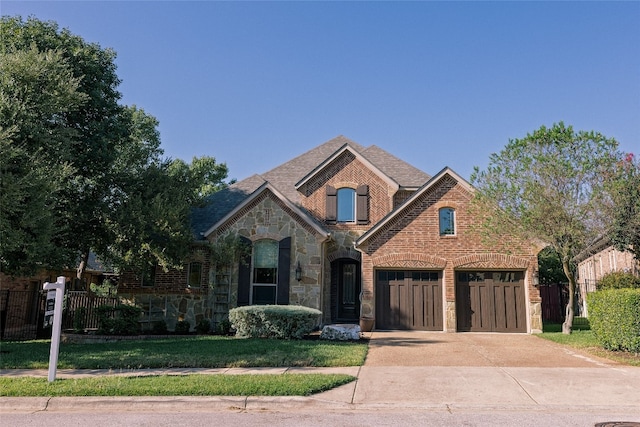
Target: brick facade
402 232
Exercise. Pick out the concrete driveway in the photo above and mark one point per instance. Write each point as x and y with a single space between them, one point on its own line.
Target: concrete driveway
497 372
415 348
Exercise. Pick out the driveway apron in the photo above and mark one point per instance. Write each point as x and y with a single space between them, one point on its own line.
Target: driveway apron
435 369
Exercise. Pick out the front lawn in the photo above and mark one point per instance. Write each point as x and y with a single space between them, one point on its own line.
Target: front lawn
583 339
192 352
169 385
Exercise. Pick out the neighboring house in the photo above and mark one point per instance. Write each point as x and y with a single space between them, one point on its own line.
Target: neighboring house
598 260
354 232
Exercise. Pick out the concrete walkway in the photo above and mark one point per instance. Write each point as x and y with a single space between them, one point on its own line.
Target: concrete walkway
411 370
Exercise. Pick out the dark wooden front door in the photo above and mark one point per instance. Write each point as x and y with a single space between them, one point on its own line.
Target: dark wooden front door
347 273
490 301
409 300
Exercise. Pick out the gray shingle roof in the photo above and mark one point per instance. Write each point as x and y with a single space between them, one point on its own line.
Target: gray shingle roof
285 176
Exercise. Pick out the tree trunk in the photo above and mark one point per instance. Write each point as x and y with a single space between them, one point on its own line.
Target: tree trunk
568 319
82 266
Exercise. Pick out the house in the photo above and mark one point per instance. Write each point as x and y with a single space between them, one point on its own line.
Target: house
598 260
354 232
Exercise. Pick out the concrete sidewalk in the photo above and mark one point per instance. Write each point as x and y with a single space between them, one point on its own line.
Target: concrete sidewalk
410 371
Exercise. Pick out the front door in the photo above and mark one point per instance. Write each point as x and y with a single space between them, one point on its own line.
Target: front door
347 275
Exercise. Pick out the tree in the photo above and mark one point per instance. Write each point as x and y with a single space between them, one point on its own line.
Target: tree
87 134
624 188
550 268
551 186
152 226
80 172
37 90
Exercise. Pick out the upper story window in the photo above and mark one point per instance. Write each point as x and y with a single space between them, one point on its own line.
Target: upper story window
346 205
195 274
447 218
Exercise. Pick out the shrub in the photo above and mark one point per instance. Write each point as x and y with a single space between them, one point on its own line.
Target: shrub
183 327
614 316
119 320
618 280
223 327
78 320
159 327
203 326
274 321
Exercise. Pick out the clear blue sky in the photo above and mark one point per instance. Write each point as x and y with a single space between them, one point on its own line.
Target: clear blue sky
437 84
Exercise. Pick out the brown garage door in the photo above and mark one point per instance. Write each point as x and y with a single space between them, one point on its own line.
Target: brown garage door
409 300
490 301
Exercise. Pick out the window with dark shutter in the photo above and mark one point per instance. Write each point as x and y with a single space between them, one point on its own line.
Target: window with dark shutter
332 204
362 204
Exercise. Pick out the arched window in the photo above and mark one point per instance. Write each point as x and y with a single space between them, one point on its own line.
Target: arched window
447 218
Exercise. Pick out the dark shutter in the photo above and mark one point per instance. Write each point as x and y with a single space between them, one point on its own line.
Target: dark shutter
332 204
284 271
244 275
362 204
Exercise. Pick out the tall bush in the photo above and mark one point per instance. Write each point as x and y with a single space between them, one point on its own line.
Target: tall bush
618 280
274 321
614 315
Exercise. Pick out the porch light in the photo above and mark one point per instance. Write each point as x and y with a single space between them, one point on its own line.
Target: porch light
298 272
536 278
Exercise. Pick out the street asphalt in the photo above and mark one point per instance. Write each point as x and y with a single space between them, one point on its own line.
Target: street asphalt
407 371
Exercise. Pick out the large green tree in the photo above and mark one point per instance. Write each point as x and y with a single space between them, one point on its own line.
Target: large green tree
88 134
80 172
624 187
550 186
37 91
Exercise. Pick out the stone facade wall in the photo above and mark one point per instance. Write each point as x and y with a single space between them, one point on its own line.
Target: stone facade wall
271 219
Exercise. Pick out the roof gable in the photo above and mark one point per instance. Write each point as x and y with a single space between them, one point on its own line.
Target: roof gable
401 209
284 178
266 187
346 148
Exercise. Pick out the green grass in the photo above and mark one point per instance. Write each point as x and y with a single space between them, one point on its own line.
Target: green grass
582 338
165 385
193 352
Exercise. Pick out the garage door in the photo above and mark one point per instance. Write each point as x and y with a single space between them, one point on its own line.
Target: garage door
409 300
490 301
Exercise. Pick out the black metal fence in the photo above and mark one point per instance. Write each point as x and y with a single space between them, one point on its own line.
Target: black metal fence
22 313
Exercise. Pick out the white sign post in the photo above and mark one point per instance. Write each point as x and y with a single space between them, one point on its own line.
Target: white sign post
57 324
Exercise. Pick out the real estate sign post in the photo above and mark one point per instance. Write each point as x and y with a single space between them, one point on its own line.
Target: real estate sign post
58 287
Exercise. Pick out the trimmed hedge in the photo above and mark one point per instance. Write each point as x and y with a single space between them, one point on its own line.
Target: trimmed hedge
274 321
614 316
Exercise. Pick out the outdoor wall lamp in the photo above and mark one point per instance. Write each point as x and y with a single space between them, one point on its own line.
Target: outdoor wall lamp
536 278
298 272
